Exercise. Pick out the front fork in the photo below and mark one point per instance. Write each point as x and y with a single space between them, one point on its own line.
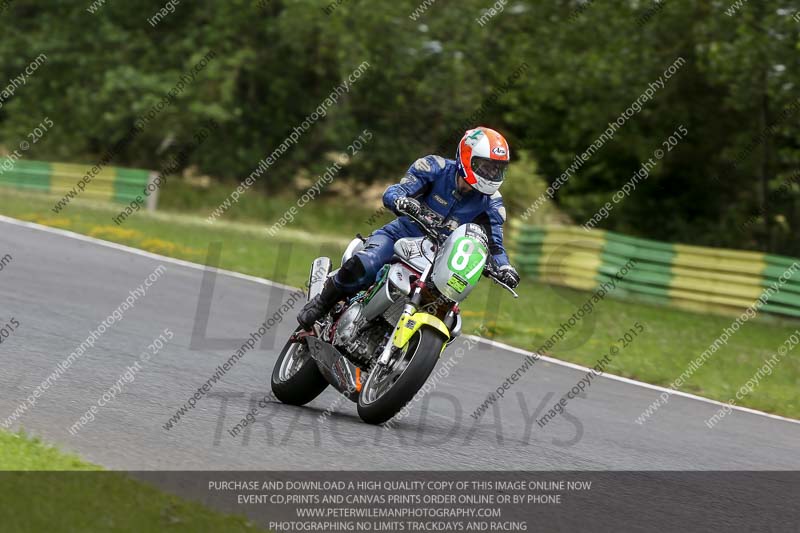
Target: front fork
409 309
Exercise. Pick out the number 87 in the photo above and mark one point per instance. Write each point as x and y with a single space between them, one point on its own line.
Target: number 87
462 256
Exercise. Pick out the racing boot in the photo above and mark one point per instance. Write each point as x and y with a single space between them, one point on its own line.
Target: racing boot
320 305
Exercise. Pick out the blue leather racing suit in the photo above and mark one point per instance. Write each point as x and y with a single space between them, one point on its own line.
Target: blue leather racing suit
432 180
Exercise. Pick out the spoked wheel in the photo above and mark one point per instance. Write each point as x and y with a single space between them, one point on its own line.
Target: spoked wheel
296 379
389 388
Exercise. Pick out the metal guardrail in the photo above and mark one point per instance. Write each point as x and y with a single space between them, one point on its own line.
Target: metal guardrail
114 184
692 277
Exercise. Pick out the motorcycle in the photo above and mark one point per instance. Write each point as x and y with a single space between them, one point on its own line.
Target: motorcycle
380 346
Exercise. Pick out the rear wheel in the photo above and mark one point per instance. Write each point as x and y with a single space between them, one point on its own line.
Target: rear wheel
296 379
388 389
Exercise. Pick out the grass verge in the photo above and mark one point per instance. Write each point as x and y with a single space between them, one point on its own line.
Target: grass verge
76 496
671 340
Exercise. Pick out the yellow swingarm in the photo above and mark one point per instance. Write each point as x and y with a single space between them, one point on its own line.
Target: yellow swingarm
410 324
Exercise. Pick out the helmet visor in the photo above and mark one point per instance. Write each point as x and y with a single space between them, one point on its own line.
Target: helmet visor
489 169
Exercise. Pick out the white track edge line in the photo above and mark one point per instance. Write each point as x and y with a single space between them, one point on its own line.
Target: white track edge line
137 251
632 381
247 277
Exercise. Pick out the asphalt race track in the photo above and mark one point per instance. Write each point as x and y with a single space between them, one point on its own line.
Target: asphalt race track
59 288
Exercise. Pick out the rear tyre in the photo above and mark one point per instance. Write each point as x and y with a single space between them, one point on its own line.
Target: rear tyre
388 389
296 379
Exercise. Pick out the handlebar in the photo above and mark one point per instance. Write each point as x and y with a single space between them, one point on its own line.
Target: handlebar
491 272
429 221
432 224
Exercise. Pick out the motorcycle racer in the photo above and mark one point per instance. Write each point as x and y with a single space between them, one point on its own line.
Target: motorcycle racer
461 191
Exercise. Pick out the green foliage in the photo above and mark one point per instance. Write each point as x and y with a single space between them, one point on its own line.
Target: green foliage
43 486
276 61
523 186
21 452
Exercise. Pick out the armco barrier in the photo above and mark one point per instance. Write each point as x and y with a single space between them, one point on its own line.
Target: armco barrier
691 277
114 184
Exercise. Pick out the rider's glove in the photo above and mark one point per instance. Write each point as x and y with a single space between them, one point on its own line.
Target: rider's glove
407 206
508 275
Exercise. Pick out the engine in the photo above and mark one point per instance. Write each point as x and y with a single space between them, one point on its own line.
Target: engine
349 324
364 347
364 327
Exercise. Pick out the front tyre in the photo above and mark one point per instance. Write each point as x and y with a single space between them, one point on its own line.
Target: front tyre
388 389
296 379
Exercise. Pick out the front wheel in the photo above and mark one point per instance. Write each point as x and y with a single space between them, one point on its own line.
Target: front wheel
388 389
296 379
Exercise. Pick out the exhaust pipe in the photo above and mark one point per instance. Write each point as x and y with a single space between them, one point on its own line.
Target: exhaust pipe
319 273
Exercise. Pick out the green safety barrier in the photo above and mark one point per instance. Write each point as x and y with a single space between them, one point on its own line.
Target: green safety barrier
113 184
691 277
